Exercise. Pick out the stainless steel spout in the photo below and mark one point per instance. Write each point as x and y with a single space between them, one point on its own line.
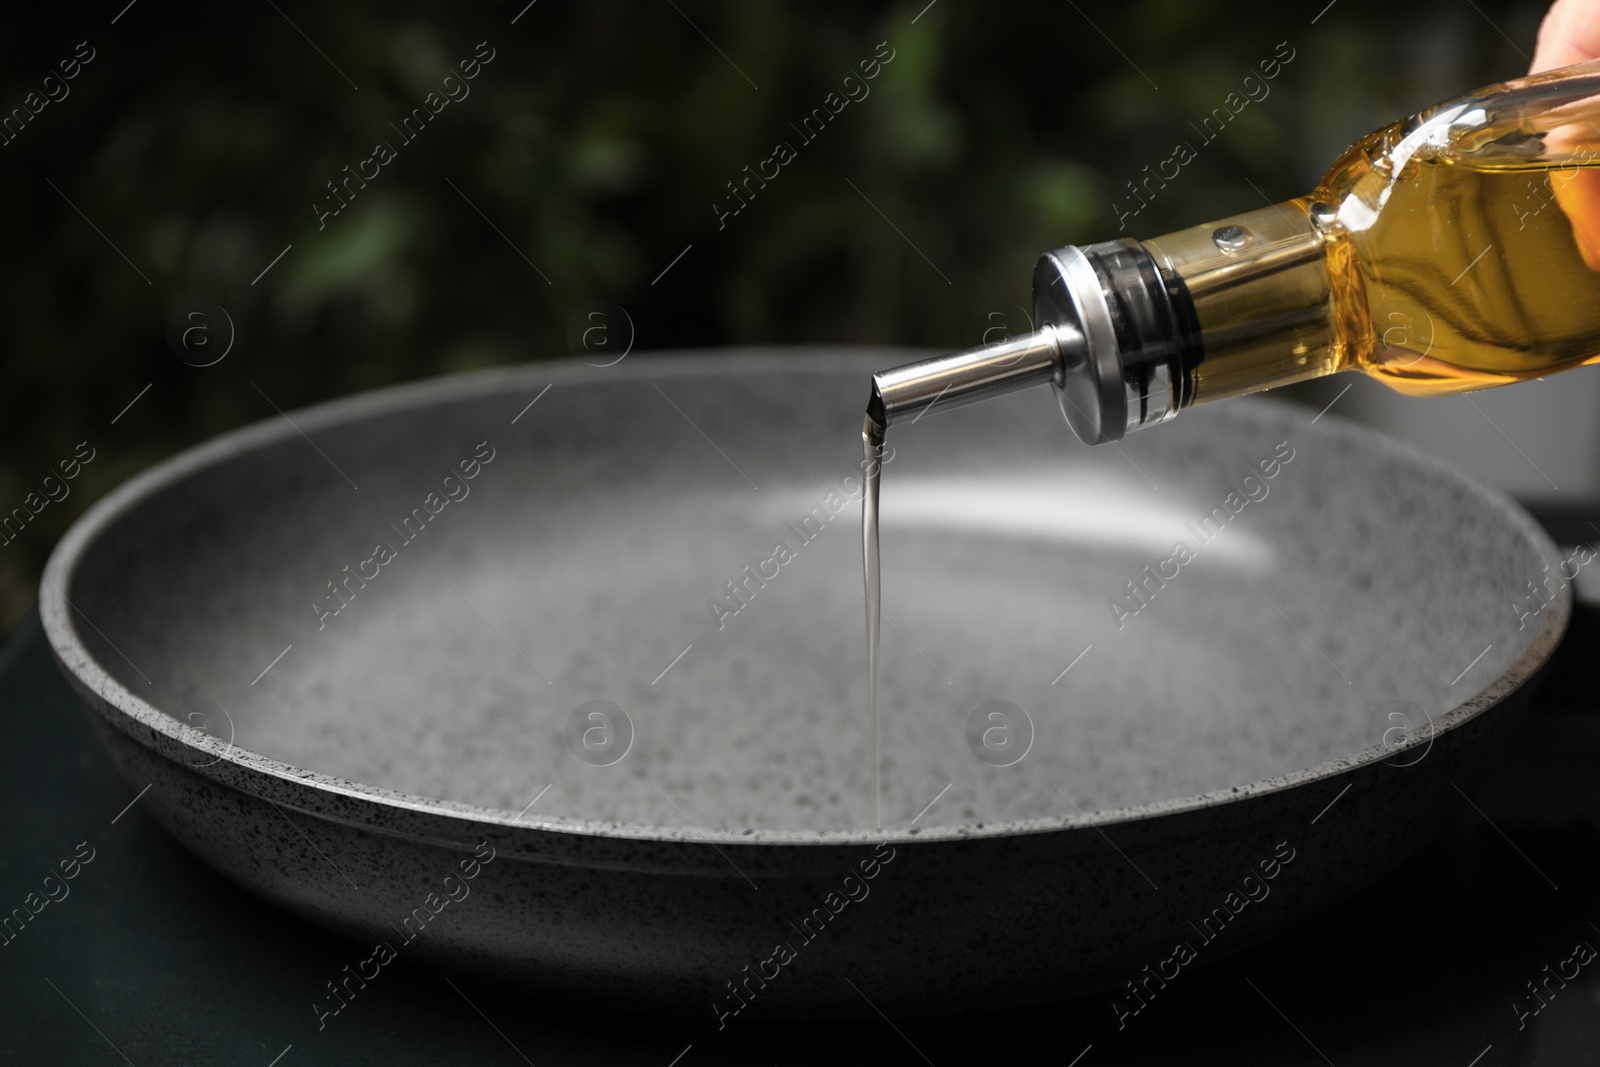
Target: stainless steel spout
911 391
1116 337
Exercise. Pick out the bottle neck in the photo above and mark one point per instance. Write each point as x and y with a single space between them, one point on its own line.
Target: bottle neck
1263 297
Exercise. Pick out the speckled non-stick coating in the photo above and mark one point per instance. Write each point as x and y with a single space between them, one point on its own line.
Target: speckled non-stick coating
584 560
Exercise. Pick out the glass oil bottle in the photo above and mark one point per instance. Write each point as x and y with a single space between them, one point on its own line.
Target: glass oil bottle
1453 250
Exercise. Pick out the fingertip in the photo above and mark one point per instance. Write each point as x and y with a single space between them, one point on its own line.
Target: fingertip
1569 33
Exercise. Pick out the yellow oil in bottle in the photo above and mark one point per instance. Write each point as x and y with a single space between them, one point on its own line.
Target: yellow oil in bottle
1438 255
1471 274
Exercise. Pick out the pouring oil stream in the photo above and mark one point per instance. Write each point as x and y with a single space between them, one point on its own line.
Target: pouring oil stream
872 576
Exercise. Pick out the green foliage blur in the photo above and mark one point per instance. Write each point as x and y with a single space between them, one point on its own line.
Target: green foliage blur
593 149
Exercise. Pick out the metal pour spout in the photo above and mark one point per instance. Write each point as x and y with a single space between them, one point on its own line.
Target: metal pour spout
911 391
1116 337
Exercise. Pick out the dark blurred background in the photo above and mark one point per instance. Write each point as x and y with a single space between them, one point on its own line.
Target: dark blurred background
190 150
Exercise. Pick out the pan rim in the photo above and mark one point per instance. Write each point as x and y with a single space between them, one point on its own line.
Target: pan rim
394 812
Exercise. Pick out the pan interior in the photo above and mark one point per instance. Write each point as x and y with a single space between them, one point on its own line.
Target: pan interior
681 540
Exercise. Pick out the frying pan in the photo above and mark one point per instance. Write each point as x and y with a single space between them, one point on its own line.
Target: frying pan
556 677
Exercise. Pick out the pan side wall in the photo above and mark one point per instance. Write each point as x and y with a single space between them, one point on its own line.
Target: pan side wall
940 925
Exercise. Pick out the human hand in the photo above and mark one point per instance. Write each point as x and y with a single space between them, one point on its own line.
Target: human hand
1570 34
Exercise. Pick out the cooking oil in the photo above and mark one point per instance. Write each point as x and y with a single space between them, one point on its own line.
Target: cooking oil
872 577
